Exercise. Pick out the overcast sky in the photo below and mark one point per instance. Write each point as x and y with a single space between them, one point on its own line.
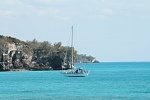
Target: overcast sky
110 30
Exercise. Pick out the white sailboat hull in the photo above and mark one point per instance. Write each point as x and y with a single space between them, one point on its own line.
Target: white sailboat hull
76 74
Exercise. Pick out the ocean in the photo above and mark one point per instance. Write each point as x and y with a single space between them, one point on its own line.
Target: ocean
106 81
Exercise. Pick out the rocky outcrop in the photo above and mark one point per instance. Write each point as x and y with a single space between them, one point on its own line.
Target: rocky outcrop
16 55
39 59
83 58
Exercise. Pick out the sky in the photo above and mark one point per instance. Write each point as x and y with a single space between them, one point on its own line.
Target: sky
110 30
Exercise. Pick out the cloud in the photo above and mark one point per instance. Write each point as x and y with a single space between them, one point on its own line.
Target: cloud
9 8
106 0
54 13
44 8
102 17
52 1
47 12
35 9
107 11
7 14
56 9
10 2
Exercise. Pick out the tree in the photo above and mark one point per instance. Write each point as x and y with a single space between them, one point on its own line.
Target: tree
57 46
45 45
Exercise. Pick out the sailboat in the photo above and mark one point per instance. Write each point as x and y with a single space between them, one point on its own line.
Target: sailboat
74 71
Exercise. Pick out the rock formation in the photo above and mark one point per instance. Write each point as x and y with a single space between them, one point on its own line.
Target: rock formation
16 55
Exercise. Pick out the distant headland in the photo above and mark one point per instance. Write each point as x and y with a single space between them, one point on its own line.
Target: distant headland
17 55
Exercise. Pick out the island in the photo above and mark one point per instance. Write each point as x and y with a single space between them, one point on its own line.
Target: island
17 55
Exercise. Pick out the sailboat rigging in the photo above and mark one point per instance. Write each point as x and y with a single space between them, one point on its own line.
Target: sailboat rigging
72 50
73 71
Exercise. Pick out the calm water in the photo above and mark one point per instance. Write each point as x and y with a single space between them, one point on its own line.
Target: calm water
107 81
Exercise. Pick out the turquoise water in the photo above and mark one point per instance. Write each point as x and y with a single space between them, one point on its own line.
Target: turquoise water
107 81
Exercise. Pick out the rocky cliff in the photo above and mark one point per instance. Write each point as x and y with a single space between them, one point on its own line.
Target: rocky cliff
33 55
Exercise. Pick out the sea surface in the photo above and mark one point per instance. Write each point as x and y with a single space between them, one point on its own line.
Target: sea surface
106 81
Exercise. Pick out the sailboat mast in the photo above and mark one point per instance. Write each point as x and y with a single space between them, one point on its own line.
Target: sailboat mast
72 49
